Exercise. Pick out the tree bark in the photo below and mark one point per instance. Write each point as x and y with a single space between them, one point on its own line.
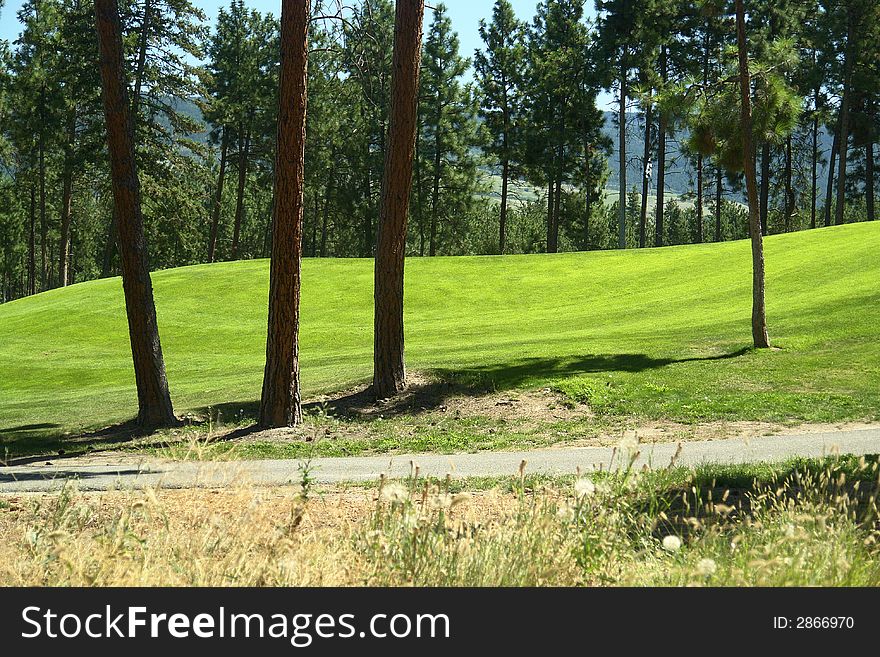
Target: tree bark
389 371
435 189
44 228
719 189
699 206
140 66
814 165
32 240
661 162
281 404
621 145
832 161
646 158
218 197
328 190
502 221
154 402
759 318
243 157
789 191
869 180
843 144
765 188
66 202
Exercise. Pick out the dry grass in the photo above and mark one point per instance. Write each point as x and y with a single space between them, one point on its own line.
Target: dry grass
809 523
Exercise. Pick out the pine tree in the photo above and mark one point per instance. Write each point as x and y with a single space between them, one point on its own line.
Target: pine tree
154 401
280 404
389 370
498 73
447 109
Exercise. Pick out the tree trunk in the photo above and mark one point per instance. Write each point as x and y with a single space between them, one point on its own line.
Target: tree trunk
624 69
66 202
44 228
140 66
557 203
218 197
281 404
646 158
389 371
502 221
765 188
843 143
759 318
326 217
435 190
789 191
154 401
32 248
814 166
588 191
243 157
551 189
699 206
869 180
661 162
719 190
832 160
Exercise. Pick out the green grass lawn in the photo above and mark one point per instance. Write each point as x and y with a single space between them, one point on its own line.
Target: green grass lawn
650 334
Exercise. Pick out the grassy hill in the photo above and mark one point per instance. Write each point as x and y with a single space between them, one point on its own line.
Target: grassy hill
652 333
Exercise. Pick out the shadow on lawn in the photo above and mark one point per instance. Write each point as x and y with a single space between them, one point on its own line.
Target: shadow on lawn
501 376
431 393
20 444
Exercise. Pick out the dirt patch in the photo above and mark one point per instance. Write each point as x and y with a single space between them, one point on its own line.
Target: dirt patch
427 394
665 431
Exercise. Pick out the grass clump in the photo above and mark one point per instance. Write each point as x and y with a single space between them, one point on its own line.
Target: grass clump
802 523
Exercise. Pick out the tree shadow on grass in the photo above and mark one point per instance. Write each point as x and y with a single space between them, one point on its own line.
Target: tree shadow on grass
28 443
503 376
432 392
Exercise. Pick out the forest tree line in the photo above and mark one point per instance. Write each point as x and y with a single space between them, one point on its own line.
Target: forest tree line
519 114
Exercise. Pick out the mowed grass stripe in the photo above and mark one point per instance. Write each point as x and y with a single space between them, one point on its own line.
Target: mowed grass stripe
629 332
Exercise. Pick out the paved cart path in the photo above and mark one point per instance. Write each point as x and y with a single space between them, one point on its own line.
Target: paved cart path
120 472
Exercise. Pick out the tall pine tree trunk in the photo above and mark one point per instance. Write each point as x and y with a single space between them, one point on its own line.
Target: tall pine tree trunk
218 197
244 147
435 190
765 188
154 401
832 168
621 146
814 166
389 370
66 202
646 158
719 192
843 142
325 219
869 180
759 317
281 404
789 191
44 228
32 244
502 220
661 161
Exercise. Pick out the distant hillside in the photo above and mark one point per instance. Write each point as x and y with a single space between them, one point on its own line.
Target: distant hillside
680 179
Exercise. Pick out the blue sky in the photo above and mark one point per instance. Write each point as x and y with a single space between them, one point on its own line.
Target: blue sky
465 14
